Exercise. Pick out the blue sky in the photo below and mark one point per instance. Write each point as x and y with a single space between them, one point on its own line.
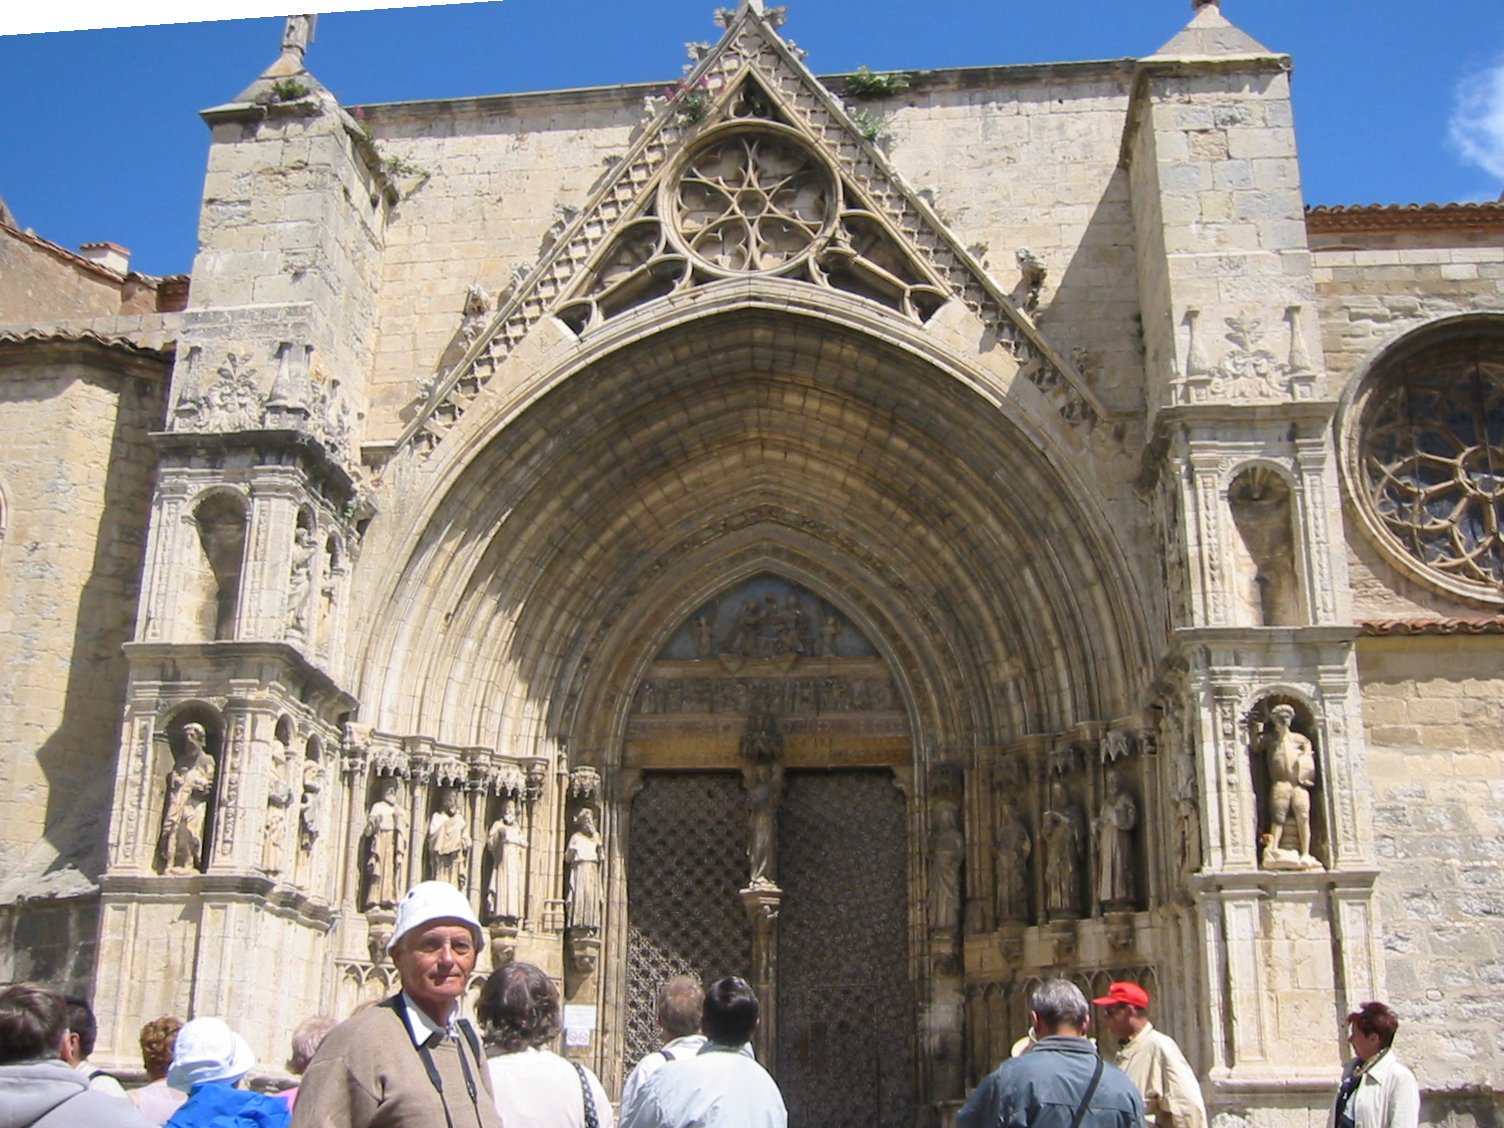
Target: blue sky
1395 101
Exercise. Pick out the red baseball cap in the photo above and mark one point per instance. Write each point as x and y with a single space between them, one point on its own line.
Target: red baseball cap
1130 993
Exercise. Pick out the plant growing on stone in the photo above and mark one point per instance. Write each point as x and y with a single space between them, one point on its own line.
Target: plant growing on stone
867 85
288 90
690 100
397 165
871 125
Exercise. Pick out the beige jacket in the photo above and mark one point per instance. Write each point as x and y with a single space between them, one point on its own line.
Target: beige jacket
1172 1095
368 1074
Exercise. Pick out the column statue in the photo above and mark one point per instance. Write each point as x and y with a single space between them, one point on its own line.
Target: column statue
1114 829
764 789
190 785
1012 847
586 892
1063 829
386 849
300 583
278 800
947 851
508 846
448 840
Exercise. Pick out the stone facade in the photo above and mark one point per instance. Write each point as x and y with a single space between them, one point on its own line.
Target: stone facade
1016 438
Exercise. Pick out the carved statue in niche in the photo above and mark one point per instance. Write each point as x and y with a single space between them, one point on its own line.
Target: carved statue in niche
1291 759
308 803
947 851
386 849
1012 847
508 846
1064 831
190 784
830 633
278 800
790 622
300 582
448 840
704 632
585 895
1115 823
764 789
744 635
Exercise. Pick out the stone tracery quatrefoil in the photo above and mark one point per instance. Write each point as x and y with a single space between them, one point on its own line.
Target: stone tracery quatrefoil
752 201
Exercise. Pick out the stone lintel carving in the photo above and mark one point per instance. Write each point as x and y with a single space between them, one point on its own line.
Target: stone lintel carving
190 787
1248 370
584 783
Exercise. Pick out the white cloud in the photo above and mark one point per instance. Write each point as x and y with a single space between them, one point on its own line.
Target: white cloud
1477 123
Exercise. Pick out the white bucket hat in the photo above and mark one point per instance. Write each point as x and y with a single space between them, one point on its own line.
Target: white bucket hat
208 1050
433 900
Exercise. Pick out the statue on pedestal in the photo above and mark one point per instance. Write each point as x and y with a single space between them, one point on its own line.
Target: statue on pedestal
1063 829
190 785
386 850
947 852
1012 847
278 800
585 900
1291 759
1114 828
764 789
508 846
448 840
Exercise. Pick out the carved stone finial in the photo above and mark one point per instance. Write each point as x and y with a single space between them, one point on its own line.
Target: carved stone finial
1197 5
297 34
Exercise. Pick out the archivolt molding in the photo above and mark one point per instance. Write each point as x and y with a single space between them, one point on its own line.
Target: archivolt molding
752 73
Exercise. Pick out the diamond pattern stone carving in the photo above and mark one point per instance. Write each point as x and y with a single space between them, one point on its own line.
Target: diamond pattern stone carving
686 860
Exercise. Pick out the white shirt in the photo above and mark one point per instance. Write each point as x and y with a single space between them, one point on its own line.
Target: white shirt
685 1047
539 1089
1387 1096
422 1027
103 1083
720 1087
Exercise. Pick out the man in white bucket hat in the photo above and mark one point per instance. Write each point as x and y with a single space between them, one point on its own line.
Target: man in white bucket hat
209 1060
412 1060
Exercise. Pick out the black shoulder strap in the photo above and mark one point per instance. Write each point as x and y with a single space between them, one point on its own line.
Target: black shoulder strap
592 1120
472 1038
1091 1091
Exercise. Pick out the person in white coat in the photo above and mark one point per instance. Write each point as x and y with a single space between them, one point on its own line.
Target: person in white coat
1377 1091
680 1002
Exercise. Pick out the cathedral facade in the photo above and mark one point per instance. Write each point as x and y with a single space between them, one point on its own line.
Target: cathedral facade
893 537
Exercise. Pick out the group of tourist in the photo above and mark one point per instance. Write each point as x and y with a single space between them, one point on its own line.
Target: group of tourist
412 1060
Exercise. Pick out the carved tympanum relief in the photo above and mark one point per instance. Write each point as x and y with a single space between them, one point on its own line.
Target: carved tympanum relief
190 788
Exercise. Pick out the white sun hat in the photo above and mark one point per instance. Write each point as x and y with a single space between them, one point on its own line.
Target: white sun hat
433 900
208 1050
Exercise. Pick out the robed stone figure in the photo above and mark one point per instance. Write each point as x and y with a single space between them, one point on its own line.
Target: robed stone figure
190 784
508 845
386 850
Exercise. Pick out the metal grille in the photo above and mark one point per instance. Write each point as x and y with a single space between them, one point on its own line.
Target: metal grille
686 861
846 1009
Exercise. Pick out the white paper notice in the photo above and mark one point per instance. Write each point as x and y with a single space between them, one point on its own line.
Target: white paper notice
579 1024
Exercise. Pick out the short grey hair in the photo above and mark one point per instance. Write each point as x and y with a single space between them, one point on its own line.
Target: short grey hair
307 1038
1059 1002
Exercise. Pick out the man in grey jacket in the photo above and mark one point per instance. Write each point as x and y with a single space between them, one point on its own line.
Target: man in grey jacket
37 1088
1060 1082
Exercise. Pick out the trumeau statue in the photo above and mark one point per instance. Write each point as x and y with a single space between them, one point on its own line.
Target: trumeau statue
764 788
190 784
1292 774
1114 828
278 800
386 850
1063 829
448 840
508 845
947 851
1012 847
585 893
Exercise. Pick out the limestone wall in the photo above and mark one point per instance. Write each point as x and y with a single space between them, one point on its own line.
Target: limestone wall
1370 297
1433 708
75 486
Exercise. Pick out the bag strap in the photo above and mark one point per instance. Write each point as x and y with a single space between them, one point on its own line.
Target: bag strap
591 1119
1091 1091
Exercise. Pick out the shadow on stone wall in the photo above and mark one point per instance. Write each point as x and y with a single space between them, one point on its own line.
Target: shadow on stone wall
1469 1107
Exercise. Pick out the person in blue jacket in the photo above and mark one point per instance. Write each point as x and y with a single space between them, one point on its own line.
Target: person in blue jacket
209 1062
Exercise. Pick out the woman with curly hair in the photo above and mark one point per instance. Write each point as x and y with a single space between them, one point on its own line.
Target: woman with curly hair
156 1100
535 1087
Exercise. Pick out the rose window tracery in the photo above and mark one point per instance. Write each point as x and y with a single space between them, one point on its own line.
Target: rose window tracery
753 202
1431 461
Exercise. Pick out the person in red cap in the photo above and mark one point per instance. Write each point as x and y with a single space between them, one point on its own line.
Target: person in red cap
1152 1060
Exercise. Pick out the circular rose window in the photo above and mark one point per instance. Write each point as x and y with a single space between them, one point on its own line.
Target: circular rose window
1430 462
751 201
